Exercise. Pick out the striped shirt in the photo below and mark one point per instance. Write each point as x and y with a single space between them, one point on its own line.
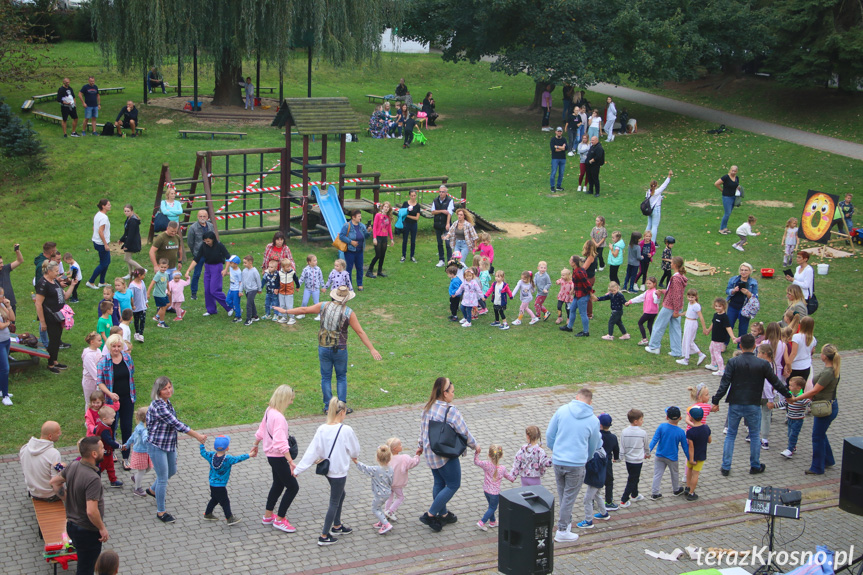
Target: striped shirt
796 410
634 444
163 425
436 412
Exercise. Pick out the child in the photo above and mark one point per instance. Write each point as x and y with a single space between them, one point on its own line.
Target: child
106 433
251 288
531 460
525 288
543 284
615 256
400 463
796 412
122 296
598 235
139 302
74 273
612 453
140 460
633 262
700 396
765 352
743 232
220 473
271 287
103 327
564 296
635 451
470 293
250 94
108 562
454 285
594 479
499 293
234 285
382 485
666 261
649 310
720 334
159 290
410 124
668 437
756 328
125 330
175 287
617 302
697 438
847 209
313 280
338 277
494 474
108 295
648 249
91 416
484 280
289 281
789 241
690 328
459 265
483 246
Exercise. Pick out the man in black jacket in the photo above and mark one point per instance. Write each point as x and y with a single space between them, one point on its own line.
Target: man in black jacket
127 118
595 160
745 374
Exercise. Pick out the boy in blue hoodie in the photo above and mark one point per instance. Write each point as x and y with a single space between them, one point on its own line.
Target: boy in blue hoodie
594 478
220 473
667 439
454 284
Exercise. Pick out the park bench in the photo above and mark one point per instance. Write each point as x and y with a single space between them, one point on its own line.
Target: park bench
51 517
116 90
270 89
44 97
27 105
375 99
53 96
212 134
54 118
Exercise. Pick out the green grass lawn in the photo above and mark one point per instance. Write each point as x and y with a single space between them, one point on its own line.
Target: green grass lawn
224 372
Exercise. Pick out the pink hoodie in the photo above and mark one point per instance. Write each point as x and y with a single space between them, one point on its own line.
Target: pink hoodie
650 299
401 464
274 433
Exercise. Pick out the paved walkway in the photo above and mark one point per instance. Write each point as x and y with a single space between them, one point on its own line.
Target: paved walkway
194 546
717 117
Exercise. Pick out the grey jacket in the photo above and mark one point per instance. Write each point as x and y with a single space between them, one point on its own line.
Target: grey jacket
543 283
382 478
195 236
634 256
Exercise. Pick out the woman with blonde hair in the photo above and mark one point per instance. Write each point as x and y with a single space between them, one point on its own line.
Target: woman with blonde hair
7 316
275 434
461 235
823 390
796 304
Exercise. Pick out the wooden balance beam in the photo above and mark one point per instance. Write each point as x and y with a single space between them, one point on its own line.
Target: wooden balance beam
51 517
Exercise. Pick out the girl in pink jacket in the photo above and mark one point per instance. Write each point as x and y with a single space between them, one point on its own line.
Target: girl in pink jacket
175 289
651 308
400 463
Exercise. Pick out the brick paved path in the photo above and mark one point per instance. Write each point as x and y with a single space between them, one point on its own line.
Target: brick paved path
194 546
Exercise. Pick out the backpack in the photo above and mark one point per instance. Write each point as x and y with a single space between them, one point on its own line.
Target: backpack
160 222
646 208
751 307
108 129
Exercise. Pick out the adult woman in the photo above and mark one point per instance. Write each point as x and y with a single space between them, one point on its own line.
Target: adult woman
90 358
739 289
588 263
462 235
594 124
170 206
101 238
428 108
823 389
50 299
610 119
410 225
353 233
336 316
215 256
446 471
583 148
337 443
276 251
116 376
656 197
275 434
7 317
796 305
728 185
162 428
382 230
801 349
131 238
804 275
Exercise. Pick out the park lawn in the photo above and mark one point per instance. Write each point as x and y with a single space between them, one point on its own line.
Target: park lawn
225 372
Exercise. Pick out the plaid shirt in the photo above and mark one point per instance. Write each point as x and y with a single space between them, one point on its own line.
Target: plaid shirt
163 425
674 294
436 412
580 284
105 375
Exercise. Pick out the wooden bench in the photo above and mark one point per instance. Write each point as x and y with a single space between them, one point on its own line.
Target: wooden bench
27 105
270 89
54 118
51 517
375 99
116 90
44 97
211 133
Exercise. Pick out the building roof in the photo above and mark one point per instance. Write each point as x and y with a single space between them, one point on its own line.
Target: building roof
313 116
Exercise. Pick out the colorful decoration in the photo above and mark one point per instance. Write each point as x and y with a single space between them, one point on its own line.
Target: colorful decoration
819 212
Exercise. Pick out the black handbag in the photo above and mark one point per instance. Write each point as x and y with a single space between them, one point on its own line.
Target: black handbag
293 448
323 466
812 302
444 440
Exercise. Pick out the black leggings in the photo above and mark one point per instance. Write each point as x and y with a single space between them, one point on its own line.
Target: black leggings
561 306
219 496
804 373
616 319
642 271
454 302
337 498
599 259
499 313
646 318
666 276
409 229
380 253
140 320
126 416
283 480
55 330
612 275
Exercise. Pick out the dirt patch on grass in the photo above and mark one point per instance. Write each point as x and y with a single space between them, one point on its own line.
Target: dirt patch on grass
771 204
702 204
256 117
519 230
381 313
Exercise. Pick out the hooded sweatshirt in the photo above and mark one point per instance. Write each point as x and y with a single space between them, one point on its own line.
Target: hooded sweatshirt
37 461
573 434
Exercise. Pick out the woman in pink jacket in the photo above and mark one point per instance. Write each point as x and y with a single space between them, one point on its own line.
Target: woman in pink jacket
274 432
382 230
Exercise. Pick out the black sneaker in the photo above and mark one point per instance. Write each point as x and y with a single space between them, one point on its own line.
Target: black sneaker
194 296
432 522
725 472
73 300
413 259
565 328
64 345
65 136
53 369
348 411
382 274
370 274
402 260
150 492
449 518
678 491
691 496
76 135
757 470
582 334
61 366
453 318
327 540
165 517
343 529
656 496
558 190
686 490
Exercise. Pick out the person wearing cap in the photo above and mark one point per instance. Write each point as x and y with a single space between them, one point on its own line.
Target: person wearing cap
745 375
220 472
612 451
739 289
667 439
442 210
336 316
655 197
236 282
697 438
559 147
214 255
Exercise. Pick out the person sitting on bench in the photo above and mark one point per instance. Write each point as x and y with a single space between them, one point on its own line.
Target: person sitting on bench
401 90
154 80
40 461
129 115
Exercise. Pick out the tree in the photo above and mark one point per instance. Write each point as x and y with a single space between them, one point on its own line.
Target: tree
227 31
19 63
730 33
17 139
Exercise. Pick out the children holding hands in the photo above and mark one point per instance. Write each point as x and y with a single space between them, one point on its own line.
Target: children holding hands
251 287
690 328
470 292
220 472
617 302
400 463
382 483
635 450
494 473
500 293
667 439
543 284
526 289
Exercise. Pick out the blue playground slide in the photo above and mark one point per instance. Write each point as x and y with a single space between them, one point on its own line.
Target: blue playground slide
331 209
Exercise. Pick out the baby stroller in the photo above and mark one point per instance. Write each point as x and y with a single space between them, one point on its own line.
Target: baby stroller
419 137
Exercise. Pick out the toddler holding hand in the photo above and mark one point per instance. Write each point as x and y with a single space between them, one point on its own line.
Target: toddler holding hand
531 460
494 474
400 463
382 483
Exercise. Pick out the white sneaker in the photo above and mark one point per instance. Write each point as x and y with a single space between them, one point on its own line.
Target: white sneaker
638 497
516 322
724 431
533 321
276 317
738 248
682 361
6 400
230 313
139 337
318 317
701 357
565 536
283 320
649 349
292 321
710 367
787 454
641 287
462 320
570 154
466 324
600 269
440 264
91 286
127 276
719 373
301 316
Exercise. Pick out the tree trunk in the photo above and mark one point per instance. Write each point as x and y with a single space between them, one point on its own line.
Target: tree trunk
538 89
227 91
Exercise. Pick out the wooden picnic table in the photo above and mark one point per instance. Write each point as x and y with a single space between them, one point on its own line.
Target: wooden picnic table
212 133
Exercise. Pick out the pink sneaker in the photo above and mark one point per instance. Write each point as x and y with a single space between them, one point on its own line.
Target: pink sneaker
384 528
268 520
284 525
378 525
491 524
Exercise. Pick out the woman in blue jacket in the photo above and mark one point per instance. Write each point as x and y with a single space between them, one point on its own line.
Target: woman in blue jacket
739 289
353 233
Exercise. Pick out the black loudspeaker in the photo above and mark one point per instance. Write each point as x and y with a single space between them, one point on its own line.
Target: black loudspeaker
525 544
851 482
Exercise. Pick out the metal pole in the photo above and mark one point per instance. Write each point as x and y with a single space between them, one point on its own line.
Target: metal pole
258 76
281 85
323 158
146 89
179 72
309 95
195 72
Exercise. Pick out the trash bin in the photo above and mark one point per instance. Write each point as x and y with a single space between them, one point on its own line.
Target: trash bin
525 542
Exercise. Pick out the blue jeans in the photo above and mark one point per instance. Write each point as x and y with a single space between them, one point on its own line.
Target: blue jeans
751 415
4 368
271 300
104 262
579 304
409 230
233 301
331 357
822 455
557 167
467 313
447 480
653 222
581 130
727 206
665 319
493 501
165 466
794 427
196 276
734 316
355 260
629 280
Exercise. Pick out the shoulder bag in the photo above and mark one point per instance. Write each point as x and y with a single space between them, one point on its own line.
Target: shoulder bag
293 448
444 440
821 408
323 465
812 302
160 222
339 244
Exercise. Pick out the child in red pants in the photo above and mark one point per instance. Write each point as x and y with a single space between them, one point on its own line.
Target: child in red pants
104 431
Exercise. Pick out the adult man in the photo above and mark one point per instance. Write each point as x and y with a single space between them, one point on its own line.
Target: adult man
558 159
39 460
194 239
154 80
129 114
442 209
595 160
573 436
5 280
92 102
48 251
168 245
745 374
610 119
85 506
401 90
67 108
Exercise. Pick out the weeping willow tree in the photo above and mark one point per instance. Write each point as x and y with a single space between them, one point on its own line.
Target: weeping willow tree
136 34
